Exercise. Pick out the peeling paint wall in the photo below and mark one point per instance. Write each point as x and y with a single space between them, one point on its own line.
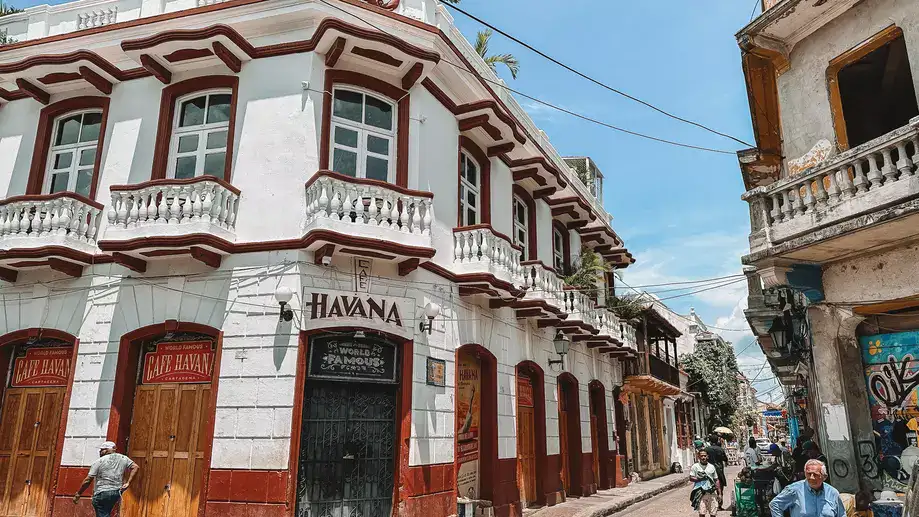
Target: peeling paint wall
885 275
803 95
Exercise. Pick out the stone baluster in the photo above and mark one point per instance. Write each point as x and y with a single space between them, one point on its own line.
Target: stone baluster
335 202
848 188
231 212
394 212
467 248
323 197
821 194
416 216
809 201
861 181
904 164
874 174
403 215
776 212
915 157
833 190
889 171
373 213
359 205
787 208
428 217
17 216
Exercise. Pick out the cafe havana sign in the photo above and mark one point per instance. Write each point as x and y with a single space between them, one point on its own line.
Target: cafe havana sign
362 306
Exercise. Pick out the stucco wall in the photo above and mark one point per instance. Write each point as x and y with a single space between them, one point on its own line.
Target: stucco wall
803 94
872 277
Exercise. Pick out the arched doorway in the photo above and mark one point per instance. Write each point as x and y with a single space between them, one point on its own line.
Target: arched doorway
599 434
163 415
531 434
37 374
476 422
350 424
621 433
569 432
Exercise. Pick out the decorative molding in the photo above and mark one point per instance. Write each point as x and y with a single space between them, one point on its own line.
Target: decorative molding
97 18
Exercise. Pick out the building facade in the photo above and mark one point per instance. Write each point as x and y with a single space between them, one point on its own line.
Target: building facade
831 187
295 258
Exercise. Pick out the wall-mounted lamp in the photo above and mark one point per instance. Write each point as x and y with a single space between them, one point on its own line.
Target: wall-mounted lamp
431 311
779 334
562 343
283 296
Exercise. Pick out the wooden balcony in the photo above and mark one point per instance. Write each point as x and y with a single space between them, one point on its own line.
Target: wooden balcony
57 231
168 217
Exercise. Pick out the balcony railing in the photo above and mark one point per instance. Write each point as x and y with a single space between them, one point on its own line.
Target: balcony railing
36 221
874 175
663 371
581 307
169 207
543 284
629 338
481 249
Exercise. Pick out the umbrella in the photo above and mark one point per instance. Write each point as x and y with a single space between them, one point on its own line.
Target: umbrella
723 431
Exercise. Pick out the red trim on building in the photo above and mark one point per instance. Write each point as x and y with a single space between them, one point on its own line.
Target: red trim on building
566 244
468 145
598 407
167 116
392 92
578 486
532 237
43 138
545 491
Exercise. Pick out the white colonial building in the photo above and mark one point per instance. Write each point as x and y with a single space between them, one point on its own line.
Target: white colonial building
293 257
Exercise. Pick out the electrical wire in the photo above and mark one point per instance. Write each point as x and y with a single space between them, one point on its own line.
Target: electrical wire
548 104
591 79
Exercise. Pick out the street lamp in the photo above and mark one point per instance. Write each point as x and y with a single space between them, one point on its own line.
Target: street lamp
431 310
283 295
562 344
779 334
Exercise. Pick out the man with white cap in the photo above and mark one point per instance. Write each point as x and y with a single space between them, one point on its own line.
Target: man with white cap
109 472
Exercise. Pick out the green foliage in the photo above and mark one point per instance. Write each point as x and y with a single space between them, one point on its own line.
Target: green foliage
590 270
6 9
481 47
628 307
580 167
712 370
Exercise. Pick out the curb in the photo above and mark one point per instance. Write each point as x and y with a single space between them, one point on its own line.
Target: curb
610 509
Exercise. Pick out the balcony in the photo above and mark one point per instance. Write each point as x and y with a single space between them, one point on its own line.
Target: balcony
368 218
57 231
863 198
784 23
486 262
662 370
165 217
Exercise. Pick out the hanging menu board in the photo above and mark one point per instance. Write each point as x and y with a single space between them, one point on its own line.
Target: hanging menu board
348 359
187 362
41 367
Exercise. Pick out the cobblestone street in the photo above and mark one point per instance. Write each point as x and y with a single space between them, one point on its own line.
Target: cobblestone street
671 503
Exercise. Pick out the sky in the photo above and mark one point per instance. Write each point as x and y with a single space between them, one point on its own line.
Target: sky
678 210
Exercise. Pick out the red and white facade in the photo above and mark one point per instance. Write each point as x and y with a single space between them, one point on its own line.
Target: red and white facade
166 168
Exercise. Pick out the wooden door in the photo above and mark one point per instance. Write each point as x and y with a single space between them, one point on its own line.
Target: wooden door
29 427
563 437
526 444
595 447
167 441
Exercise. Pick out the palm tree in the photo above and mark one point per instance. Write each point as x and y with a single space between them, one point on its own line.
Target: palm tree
590 270
508 60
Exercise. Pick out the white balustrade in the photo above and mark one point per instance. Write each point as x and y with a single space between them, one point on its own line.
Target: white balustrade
61 215
485 247
341 198
97 18
860 173
609 323
543 284
629 338
579 306
174 202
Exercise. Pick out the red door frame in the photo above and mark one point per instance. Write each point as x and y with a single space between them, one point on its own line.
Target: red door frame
575 453
7 342
403 412
538 378
622 449
119 424
598 407
488 419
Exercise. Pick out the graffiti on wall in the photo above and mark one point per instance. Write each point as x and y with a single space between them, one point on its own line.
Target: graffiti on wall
891 364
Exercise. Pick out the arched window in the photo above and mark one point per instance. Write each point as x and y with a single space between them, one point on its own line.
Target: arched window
558 250
72 154
522 226
470 200
199 135
363 135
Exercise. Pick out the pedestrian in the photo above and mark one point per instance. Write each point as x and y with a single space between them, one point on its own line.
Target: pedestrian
811 497
109 473
718 458
809 451
752 457
705 479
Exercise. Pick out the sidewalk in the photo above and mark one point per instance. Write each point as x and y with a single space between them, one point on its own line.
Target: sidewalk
607 502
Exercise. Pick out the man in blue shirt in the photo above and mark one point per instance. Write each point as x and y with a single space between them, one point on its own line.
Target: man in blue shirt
811 497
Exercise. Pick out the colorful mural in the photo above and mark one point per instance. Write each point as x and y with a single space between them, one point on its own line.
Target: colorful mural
891 364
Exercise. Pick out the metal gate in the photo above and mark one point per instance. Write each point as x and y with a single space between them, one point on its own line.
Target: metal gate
347 456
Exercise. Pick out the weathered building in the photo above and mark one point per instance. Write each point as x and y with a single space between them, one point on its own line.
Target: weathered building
295 258
832 189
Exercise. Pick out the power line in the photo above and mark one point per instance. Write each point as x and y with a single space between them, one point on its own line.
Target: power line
591 79
548 104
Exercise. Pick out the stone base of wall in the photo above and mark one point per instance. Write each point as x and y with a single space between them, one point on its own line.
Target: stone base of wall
620 480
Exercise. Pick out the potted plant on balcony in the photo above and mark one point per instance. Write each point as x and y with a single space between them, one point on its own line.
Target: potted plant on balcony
629 307
589 272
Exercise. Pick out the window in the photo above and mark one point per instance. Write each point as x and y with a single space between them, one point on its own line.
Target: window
363 135
469 191
558 250
72 156
871 89
522 226
199 135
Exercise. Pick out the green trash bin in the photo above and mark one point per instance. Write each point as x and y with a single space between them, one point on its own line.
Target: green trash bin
745 500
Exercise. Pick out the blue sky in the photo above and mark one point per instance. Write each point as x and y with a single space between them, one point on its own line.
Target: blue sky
678 210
